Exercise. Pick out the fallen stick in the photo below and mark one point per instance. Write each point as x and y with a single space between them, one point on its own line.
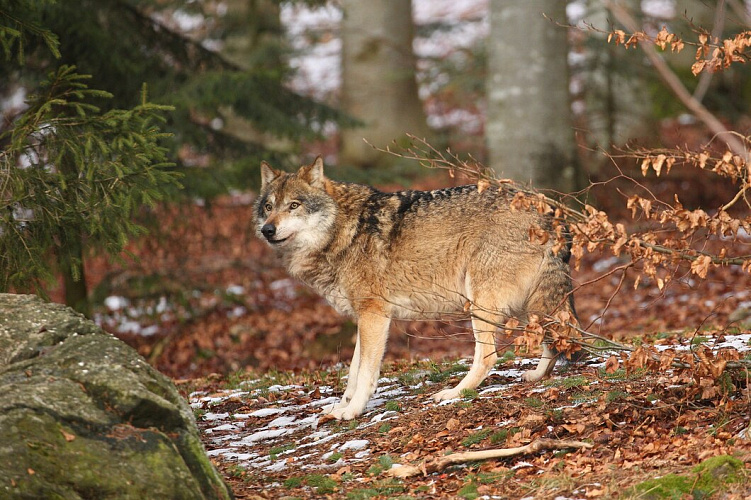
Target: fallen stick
435 464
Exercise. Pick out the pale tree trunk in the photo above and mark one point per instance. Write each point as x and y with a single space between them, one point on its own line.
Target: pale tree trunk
529 131
378 79
619 105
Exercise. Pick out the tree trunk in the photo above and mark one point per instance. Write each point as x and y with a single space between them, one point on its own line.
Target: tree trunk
619 104
70 257
529 132
378 79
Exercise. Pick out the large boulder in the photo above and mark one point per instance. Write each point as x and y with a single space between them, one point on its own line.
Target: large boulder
82 415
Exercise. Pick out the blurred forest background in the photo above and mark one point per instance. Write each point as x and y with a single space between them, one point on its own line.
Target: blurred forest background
131 133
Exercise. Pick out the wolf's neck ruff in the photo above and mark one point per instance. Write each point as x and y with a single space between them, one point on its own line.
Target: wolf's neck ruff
411 254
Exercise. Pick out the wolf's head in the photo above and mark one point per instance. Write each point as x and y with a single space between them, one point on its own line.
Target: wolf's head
294 212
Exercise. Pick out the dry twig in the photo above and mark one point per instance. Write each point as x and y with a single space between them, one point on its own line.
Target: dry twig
439 463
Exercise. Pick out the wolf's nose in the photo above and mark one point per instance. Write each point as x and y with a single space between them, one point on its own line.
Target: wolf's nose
268 230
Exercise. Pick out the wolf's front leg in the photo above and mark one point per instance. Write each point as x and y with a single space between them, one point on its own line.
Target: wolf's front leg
372 333
354 368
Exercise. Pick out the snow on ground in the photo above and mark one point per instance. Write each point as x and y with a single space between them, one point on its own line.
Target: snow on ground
287 432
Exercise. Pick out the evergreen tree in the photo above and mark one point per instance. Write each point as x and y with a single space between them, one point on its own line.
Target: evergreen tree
77 163
125 43
71 174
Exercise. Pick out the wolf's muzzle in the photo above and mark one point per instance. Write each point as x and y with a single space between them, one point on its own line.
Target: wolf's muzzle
268 231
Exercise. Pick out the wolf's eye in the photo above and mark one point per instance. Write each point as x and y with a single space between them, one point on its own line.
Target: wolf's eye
294 205
267 207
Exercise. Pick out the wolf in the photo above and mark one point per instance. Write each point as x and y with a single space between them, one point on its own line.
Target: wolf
377 256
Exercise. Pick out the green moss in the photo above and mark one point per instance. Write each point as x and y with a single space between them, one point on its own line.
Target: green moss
534 402
616 395
705 480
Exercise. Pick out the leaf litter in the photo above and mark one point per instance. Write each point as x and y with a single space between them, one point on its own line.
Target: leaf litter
269 440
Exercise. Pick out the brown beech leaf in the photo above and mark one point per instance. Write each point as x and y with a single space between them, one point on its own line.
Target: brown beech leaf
700 266
612 364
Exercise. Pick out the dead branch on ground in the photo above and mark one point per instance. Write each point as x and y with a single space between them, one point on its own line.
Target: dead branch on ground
436 464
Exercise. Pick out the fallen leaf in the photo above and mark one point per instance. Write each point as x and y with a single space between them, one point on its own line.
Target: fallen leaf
67 435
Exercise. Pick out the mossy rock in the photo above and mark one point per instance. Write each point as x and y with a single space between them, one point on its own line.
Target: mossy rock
709 477
82 415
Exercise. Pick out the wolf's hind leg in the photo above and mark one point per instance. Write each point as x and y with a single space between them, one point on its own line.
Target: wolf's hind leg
544 367
484 359
553 293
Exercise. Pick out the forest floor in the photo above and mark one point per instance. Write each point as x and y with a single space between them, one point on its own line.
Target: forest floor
651 435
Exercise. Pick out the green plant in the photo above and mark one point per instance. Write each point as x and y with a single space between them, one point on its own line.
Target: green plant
293 482
476 437
439 375
393 406
568 382
534 402
506 357
469 394
502 435
616 395
468 491
322 484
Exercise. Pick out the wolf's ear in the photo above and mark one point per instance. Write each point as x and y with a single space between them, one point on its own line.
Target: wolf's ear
268 174
313 174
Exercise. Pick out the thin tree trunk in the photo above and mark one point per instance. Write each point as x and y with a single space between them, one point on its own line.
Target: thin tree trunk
70 251
378 79
74 277
529 132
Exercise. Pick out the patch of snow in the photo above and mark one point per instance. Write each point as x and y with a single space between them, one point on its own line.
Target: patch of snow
263 435
280 388
187 21
521 464
387 415
605 264
115 302
322 402
277 466
449 401
266 412
215 416
225 427
282 422
355 444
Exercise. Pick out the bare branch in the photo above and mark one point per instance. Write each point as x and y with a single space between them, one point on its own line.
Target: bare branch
674 83
439 463
706 76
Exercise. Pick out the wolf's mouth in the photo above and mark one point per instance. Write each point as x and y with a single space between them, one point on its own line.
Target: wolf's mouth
276 242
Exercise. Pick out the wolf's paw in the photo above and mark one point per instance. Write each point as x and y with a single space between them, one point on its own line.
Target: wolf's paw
342 403
446 394
533 376
345 413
